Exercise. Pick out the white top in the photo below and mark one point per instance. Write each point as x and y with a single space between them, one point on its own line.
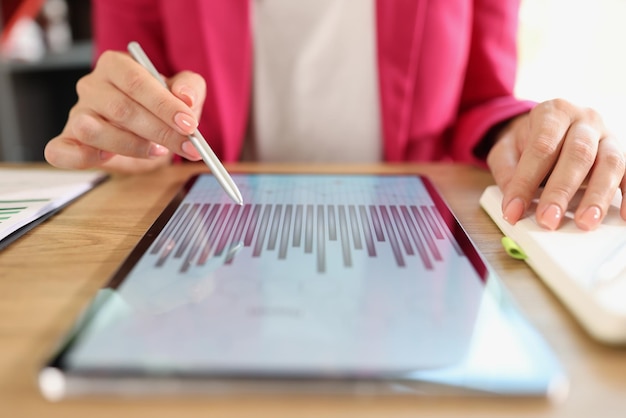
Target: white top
315 94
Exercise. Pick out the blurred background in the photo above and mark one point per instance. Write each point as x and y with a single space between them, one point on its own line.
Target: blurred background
574 49
44 49
568 49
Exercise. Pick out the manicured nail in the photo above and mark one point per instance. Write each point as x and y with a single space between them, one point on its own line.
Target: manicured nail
514 211
185 123
106 155
191 151
551 217
157 150
187 95
590 218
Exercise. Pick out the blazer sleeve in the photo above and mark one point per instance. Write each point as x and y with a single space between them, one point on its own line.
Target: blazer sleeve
117 22
487 98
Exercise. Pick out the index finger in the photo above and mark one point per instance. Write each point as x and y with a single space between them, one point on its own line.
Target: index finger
540 152
138 84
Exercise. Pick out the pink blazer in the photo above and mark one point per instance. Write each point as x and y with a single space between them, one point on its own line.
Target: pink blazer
446 68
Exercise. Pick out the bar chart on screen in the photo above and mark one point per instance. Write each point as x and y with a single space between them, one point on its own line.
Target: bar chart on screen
320 225
199 232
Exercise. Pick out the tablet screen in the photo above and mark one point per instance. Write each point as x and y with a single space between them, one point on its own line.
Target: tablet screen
315 277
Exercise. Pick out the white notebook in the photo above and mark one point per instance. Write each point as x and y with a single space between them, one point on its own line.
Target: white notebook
586 270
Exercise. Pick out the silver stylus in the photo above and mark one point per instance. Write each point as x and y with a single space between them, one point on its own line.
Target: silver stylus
198 141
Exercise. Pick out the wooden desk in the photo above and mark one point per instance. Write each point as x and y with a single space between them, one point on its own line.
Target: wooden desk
48 276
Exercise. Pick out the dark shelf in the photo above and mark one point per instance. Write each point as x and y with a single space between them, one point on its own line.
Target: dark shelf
77 57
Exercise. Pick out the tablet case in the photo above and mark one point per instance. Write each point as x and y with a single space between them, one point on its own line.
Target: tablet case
585 269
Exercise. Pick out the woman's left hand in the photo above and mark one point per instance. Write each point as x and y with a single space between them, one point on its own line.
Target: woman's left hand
564 147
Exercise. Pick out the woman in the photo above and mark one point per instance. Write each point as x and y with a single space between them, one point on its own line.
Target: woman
367 80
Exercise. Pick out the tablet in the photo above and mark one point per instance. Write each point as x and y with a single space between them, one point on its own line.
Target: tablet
331 284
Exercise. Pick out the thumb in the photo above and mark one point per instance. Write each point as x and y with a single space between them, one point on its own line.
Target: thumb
189 87
503 159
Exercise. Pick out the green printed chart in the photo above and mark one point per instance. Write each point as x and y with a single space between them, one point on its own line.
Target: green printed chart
13 208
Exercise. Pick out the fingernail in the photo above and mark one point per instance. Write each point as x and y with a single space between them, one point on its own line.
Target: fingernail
185 123
514 211
106 155
157 150
190 151
590 218
187 95
551 217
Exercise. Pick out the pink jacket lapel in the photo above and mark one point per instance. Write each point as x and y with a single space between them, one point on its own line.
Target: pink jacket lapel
228 46
400 25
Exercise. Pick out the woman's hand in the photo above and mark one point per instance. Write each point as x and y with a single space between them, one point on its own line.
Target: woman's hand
563 146
126 121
